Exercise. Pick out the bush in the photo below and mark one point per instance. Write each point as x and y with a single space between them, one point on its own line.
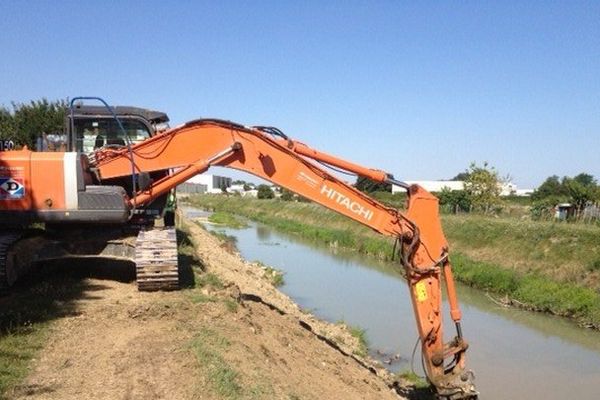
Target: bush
265 192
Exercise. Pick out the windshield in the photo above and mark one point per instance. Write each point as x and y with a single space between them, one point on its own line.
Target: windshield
95 133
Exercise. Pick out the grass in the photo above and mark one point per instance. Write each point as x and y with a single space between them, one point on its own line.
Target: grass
227 219
274 276
547 266
224 379
360 335
28 314
418 381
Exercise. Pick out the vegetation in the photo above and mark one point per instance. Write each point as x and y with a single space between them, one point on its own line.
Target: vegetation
581 190
275 276
265 192
454 201
482 188
227 219
27 316
24 123
361 335
549 266
207 347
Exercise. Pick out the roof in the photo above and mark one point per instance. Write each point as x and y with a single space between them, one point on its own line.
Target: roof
150 115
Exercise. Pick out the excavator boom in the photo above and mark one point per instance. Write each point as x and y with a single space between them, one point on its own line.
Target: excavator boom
267 153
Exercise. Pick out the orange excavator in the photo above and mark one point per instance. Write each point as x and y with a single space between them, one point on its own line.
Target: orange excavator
92 204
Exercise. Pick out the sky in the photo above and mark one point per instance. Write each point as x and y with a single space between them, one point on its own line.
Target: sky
418 89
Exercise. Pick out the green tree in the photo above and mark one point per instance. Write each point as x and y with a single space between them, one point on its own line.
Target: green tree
461 176
26 122
265 192
483 187
582 190
552 187
287 195
454 200
7 125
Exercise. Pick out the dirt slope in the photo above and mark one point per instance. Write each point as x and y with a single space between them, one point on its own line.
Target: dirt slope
233 336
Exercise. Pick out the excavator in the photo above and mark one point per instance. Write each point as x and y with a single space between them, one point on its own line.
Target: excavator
100 198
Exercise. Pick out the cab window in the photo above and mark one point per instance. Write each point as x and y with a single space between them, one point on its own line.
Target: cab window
93 134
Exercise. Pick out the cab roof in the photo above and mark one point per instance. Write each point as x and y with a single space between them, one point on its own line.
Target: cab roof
152 116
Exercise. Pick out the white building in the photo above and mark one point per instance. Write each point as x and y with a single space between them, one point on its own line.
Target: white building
506 188
214 183
432 186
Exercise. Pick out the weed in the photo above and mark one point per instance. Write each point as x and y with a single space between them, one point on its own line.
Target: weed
594 265
275 276
231 305
418 381
227 219
207 347
209 279
200 298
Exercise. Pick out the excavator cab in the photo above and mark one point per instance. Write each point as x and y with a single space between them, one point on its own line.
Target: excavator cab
92 127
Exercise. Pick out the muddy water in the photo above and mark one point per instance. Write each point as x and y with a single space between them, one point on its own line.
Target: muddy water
515 354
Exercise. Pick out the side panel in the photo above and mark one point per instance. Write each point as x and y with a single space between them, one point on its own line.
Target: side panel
48 181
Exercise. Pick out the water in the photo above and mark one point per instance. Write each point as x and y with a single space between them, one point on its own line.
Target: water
515 354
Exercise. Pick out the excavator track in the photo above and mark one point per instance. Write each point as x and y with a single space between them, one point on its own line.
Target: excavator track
156 260
7 277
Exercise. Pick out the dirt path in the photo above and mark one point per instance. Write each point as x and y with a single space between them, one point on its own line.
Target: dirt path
233 336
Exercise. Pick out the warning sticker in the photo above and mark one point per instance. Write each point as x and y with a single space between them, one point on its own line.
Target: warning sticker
11 188
421 291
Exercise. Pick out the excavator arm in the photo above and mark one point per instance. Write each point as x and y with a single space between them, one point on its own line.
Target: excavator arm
267 153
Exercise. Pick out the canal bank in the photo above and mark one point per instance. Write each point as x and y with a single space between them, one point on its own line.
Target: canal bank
515 354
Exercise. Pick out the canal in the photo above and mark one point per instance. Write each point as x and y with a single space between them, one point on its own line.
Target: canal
515 354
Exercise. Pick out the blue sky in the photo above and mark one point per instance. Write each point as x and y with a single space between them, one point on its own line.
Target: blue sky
418 89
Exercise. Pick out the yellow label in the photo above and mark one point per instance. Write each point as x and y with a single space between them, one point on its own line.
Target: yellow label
421 291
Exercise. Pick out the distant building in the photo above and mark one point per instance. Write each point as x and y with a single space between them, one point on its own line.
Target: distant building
250 193
506 188
432 186
237 188
192 188
214 183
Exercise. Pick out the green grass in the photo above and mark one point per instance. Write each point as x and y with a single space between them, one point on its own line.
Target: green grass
410 376
17 348
534 291
208 347
275 276
27 316
227 219
361 335
209 279
548 266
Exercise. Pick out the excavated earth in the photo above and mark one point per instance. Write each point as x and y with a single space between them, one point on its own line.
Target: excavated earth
235 337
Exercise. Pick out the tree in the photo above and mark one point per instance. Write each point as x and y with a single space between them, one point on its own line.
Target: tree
26 122
482 187
551 187
265 192
454 200
582 190
287 195
369 186
461 176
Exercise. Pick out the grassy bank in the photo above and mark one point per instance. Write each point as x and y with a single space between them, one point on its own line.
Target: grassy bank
543 266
